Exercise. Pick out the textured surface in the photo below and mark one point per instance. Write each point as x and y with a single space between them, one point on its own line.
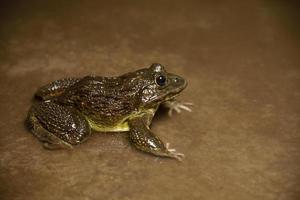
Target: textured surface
242 141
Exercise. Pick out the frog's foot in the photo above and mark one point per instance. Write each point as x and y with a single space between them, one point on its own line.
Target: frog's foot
177 106
173 154
59 145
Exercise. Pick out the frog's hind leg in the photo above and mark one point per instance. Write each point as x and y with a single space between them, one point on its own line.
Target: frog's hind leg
55 89
49 140
57 126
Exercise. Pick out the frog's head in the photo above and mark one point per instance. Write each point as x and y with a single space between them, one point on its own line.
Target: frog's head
160 86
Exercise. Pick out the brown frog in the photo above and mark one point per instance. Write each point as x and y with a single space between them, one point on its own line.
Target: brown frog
68 109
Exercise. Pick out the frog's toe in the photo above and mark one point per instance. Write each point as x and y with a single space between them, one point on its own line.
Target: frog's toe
176 155
173 153
58 145
178 106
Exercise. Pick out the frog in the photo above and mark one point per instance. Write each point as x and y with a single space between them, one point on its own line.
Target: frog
66 111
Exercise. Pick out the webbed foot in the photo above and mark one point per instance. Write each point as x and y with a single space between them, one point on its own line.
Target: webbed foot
173 153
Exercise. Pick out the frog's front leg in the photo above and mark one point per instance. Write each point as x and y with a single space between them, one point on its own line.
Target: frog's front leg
143 139
57 126
55 88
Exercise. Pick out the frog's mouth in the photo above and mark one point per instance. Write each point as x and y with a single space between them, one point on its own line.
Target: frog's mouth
175 93
177 84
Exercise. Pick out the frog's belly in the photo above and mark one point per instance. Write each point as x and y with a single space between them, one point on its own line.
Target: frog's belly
122 126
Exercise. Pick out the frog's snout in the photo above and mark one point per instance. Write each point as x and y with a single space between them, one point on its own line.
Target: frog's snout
178 82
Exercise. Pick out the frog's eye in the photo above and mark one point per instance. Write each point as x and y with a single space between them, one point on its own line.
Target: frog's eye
161 80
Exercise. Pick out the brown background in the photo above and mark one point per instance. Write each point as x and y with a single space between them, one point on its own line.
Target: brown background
241 60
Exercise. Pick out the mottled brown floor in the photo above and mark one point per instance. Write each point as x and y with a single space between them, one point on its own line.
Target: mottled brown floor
242 61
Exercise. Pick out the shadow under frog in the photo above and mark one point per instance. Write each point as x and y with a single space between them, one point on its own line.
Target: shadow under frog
68 109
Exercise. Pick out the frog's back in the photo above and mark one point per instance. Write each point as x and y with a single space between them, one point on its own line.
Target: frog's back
105 101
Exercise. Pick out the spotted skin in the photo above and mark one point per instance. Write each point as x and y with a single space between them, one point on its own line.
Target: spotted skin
55 88
65 123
